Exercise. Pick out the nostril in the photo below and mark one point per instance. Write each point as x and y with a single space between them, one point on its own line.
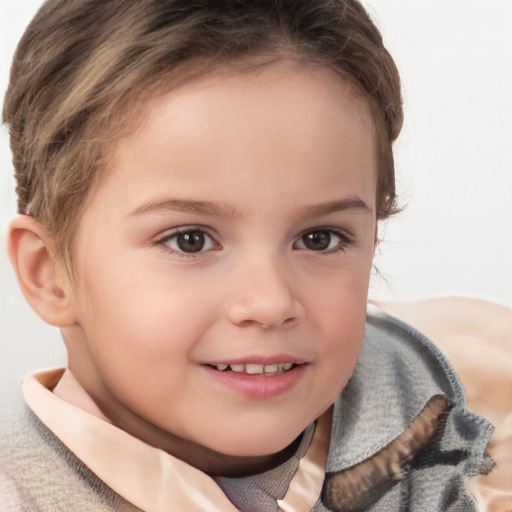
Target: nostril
248 323
265 314
254 323
288 322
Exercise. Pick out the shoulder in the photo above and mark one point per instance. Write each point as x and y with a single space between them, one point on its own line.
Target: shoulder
37 472
475 336
444 318
403 413
19 455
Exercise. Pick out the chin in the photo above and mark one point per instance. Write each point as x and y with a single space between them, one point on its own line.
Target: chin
257 443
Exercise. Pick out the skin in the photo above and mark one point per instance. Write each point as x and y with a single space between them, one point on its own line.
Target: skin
246 158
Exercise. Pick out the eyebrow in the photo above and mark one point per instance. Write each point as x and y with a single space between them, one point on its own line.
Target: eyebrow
187 206
224 210
349 203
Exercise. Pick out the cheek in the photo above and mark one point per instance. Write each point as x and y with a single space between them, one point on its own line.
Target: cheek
141 334
140 318
340 324
340 298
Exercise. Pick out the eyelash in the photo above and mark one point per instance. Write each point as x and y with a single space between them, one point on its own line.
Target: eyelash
343 240
164 242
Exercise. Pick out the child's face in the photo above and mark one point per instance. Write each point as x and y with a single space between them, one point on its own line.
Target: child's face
235 227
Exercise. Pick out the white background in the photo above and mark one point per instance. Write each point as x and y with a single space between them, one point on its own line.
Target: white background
454 165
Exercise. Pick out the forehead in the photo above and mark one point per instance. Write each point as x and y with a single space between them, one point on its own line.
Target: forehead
238 91
246 127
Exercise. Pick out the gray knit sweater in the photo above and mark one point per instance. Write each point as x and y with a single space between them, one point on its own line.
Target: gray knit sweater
402 439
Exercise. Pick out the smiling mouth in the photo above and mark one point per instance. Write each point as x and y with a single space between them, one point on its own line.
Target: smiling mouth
255 369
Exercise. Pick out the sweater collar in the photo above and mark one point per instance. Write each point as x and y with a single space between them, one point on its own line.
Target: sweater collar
382 424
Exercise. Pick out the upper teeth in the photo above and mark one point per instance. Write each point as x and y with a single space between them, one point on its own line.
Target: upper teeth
254 369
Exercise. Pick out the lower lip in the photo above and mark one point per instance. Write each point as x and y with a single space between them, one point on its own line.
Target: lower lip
258 386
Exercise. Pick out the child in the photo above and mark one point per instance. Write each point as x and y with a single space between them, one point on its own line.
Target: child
199 186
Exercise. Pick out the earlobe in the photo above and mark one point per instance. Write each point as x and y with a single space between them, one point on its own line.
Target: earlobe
39 275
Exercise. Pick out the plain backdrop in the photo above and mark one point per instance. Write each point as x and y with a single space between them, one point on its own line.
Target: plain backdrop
453 160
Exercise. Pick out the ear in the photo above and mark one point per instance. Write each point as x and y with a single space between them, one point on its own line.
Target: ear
43 281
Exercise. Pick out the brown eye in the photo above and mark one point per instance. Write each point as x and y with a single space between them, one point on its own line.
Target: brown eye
191 241
323 240
317 240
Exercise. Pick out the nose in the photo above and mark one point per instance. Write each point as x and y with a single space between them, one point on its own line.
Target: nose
263 296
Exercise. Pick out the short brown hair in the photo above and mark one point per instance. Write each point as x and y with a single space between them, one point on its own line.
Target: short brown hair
82 65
